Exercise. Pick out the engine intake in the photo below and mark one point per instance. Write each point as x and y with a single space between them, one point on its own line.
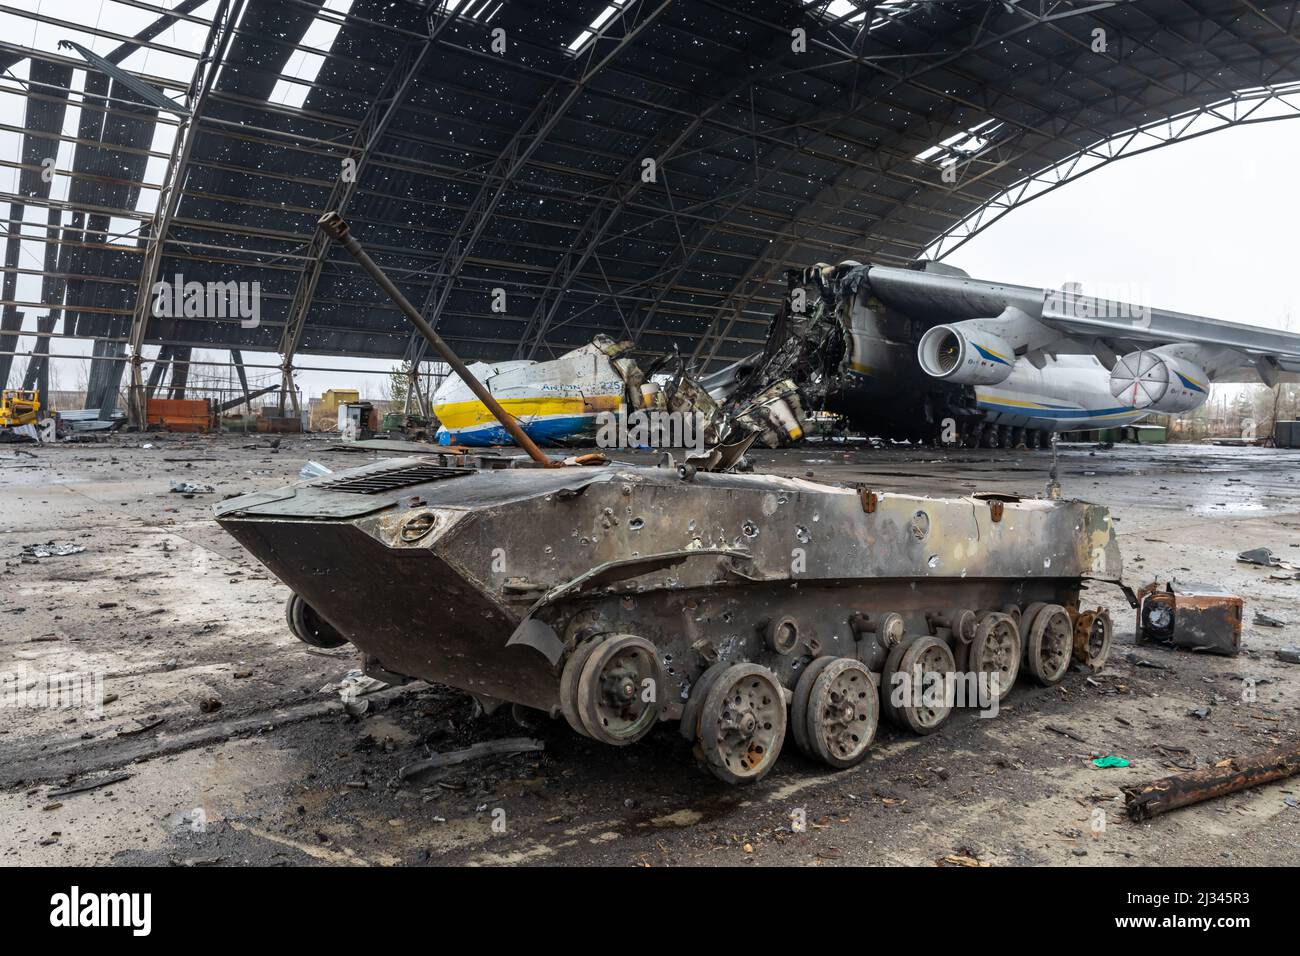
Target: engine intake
964 355
1161 383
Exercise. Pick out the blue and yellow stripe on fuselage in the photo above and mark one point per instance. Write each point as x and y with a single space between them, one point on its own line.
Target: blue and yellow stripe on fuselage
544 418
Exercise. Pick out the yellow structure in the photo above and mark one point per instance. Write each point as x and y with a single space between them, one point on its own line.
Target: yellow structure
18 407
331 400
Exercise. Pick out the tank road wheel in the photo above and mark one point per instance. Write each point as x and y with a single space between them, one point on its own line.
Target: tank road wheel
569 684
742 723
1048 644
842 713
1027 616
996 652
308 626
799 704
1092 636
689 726
611 689
925 662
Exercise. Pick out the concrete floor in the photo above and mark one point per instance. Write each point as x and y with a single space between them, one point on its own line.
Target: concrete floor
171 613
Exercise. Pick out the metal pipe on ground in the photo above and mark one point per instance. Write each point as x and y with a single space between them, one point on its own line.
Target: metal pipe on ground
1144 801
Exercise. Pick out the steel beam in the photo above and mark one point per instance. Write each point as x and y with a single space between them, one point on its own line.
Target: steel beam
365 141
42 122
1133 142
550 109
596 226
147 93
205 73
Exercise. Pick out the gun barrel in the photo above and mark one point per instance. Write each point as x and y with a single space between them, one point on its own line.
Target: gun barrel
337 230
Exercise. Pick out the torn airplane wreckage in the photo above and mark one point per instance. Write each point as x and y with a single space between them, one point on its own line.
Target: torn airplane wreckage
566 401
620 596
835 347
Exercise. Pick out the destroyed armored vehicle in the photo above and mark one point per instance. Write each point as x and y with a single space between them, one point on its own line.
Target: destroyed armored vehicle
619 596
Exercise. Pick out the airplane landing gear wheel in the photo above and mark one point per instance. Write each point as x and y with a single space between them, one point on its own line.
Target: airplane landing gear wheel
742 724
308 626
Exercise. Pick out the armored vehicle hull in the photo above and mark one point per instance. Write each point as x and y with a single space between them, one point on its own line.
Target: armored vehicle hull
619 596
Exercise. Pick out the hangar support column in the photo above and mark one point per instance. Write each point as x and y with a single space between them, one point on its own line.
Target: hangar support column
220 35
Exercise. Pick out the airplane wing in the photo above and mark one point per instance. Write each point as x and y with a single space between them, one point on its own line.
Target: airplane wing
1144 327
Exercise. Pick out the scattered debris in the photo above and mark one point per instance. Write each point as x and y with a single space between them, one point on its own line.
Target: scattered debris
210 705
1065 732
1194 618
487 748
1143 662
314 469
354 684
1288 655
190 488
1144 801
1268 620
148 723
1264 558
85 785
1110 761
51 550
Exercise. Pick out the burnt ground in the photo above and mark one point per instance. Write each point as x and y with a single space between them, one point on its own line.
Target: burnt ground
169 610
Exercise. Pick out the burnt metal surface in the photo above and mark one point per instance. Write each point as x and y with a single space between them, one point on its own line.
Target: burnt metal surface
1196 618
433 579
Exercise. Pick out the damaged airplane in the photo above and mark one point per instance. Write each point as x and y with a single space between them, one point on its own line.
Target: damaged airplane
592 391
902 352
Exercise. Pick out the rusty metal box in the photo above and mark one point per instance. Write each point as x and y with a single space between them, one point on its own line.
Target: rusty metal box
1194 617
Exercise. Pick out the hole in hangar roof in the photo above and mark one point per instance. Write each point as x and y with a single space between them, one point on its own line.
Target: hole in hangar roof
579 43
960 144
301 69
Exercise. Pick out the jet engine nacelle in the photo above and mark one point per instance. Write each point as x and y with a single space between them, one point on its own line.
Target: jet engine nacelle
965 353
1158 382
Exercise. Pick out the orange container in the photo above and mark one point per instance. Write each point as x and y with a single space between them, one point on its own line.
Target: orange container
179 414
